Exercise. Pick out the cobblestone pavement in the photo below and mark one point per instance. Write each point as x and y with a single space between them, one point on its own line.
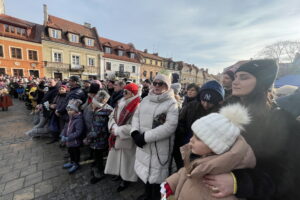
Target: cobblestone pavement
32 169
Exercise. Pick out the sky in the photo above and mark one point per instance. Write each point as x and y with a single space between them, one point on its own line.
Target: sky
211 34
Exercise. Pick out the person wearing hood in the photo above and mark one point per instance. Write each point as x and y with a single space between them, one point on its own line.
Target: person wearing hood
211 96
273 134
153 127
97 136
121 156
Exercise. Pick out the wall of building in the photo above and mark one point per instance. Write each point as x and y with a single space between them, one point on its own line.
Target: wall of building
25 63
115 67
67 51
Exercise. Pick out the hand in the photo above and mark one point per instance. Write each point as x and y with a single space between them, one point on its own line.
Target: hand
57 114
221 185
112 131
139 139
53 106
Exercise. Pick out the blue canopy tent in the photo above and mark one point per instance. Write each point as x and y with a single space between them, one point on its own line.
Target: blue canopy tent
288 80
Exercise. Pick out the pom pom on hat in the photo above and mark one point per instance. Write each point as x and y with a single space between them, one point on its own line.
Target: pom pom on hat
132 87
219 131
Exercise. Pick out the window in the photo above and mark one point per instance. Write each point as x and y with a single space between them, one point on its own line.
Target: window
32 55
74 38
121 67
16 53
132 55
23 32
133 69
151 76
55 33
57 57
107 50
120 53
90 42
91 61
12 29
19 31
18 72
1 51
153 62
75 60
6 27
108 66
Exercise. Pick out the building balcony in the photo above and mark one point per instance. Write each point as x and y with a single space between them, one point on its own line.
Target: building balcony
76 68
122 74
57 66
90 69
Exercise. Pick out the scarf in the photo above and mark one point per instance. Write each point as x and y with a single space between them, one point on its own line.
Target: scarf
127 112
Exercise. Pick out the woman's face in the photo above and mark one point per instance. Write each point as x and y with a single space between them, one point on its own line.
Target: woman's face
62 90
192 92
198 147
127 94
243 84
159 87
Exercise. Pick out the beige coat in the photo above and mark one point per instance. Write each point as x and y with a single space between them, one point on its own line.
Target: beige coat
120 160
152 161
187 182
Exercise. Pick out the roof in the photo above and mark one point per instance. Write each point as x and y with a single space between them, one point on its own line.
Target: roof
67 26
293 80
115 45
34 30
149 55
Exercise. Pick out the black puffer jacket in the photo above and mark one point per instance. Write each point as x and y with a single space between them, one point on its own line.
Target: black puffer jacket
75 93
274 137
116 96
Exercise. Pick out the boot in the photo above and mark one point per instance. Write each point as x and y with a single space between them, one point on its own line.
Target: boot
98 176
123 185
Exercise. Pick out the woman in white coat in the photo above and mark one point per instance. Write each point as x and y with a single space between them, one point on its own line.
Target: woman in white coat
121 156
153 128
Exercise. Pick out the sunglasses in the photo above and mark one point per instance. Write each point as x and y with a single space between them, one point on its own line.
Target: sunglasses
126 92
158 83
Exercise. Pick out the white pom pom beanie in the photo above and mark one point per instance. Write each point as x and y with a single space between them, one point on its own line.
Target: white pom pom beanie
219 131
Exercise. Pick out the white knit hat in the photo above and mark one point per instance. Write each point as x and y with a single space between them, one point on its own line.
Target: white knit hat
164 78
219 131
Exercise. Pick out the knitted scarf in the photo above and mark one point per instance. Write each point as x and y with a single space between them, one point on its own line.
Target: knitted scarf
127 112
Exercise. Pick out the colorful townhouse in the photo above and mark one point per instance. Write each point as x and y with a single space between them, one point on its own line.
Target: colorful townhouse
20 47
70 48
120 60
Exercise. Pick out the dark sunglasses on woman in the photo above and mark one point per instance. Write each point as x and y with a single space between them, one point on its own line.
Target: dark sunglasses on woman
158 83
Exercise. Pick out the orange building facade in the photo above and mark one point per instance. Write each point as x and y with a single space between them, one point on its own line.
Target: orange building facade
20 48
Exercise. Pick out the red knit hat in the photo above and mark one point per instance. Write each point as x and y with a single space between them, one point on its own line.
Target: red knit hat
132 87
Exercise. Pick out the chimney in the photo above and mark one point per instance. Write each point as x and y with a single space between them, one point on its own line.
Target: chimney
145 51
156 54
45 14
88 25
2 7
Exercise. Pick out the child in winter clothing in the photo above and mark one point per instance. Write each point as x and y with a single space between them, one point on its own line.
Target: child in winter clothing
216 147
72 134
97 138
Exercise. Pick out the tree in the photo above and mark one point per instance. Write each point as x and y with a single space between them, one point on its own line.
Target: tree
282 51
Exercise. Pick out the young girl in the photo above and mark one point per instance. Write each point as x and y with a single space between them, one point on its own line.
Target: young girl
97 138
216 147
71 134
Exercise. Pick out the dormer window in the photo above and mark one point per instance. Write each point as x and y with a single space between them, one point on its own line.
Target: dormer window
6 27
120 53
89 42
107 50
132 55
55 33
73 38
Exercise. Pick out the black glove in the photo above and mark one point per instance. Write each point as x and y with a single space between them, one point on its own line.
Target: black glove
138 138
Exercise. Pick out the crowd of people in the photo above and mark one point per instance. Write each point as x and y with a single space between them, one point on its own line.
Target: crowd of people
227 140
